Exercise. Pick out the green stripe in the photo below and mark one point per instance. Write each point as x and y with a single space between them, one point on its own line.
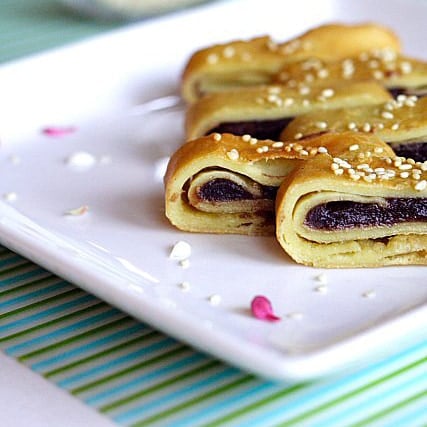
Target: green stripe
55 298
196 400
144 364
160 386
387 411
256 405
343 398
123 319
53 322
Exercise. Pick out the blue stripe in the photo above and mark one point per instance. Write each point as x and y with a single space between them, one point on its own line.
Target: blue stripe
63 357
108 366
31 319
14 259
115 392
35 294
298 403
196 387
15 350
23 276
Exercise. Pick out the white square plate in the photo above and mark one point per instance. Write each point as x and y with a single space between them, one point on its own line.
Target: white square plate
120 249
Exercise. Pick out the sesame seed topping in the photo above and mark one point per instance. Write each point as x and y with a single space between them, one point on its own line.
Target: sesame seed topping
328 93
233 154
214 299
354 147
338 171
378 150
366 127
395 126
246 137
298 135
404 174
253 141
421 185
217 136
322 150
277 144
369 294
405 167
351 126
212 58
387 115
304 152
228 52
321 125
185 286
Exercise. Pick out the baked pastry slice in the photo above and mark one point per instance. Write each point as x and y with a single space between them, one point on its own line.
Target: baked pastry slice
264 111
228 184
342 211
257 61
399 74
402 123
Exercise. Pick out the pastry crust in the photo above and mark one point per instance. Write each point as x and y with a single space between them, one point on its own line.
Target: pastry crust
275 102
398 122
324 180
385 66
253 165
256 61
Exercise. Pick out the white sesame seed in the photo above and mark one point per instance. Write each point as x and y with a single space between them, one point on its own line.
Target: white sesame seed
421 185
324 150
378 75
10 197
328 93
298 135
387 115
355 177
378 150
366 127
304 90
288 102
180 251
259 150
334 166
253 141
246 137
217 136
395 126
277 144
321 125
405 67
304 152
323 73
214 299
228 52
338 171
212 58
405 167
233 154
354 147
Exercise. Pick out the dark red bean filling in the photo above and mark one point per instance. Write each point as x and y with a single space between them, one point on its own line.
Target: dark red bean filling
225 190
413 150
346 214
395 91
261 129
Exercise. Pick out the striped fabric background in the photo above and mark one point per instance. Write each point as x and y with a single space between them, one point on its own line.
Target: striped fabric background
137 376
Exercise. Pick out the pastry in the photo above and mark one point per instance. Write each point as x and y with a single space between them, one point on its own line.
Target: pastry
227 183
257 61
402 123
398 73
350 210
264 111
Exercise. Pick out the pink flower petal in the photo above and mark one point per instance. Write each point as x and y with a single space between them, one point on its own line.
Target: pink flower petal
261 308
58 131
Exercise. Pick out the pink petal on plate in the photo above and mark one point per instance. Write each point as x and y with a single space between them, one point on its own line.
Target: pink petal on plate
58 131
261 308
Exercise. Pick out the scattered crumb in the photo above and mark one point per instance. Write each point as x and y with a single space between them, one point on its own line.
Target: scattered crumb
184 263
322 289
10 197
81 160
214 299
296 316
180 251
77 211
185 286
369 294
321 278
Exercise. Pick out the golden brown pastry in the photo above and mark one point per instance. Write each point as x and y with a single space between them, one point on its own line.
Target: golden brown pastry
263 111
402 123
398 73
227 183
350 210
257 61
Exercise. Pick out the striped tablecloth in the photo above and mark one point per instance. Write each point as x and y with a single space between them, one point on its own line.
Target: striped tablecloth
138 376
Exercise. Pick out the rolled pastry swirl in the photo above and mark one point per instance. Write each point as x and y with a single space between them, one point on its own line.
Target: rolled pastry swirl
359 208
257 61
264 111
399 74
402 123
227 183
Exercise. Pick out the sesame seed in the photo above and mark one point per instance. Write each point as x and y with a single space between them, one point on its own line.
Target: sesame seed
214 299
338 171
366 127
259 150
351 126
405 167
387 115
395 126
378 150
228 52
354 147
184 263
321 125
405 67
253 141
378 75
233 154
304 90
246 137
288 102
421 185
277 144
10 197
323 73
334 166
327 93
304 152
212 58
355 177
217 136
298 135
324 150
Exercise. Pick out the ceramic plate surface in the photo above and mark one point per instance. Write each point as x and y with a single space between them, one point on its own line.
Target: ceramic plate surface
116 98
